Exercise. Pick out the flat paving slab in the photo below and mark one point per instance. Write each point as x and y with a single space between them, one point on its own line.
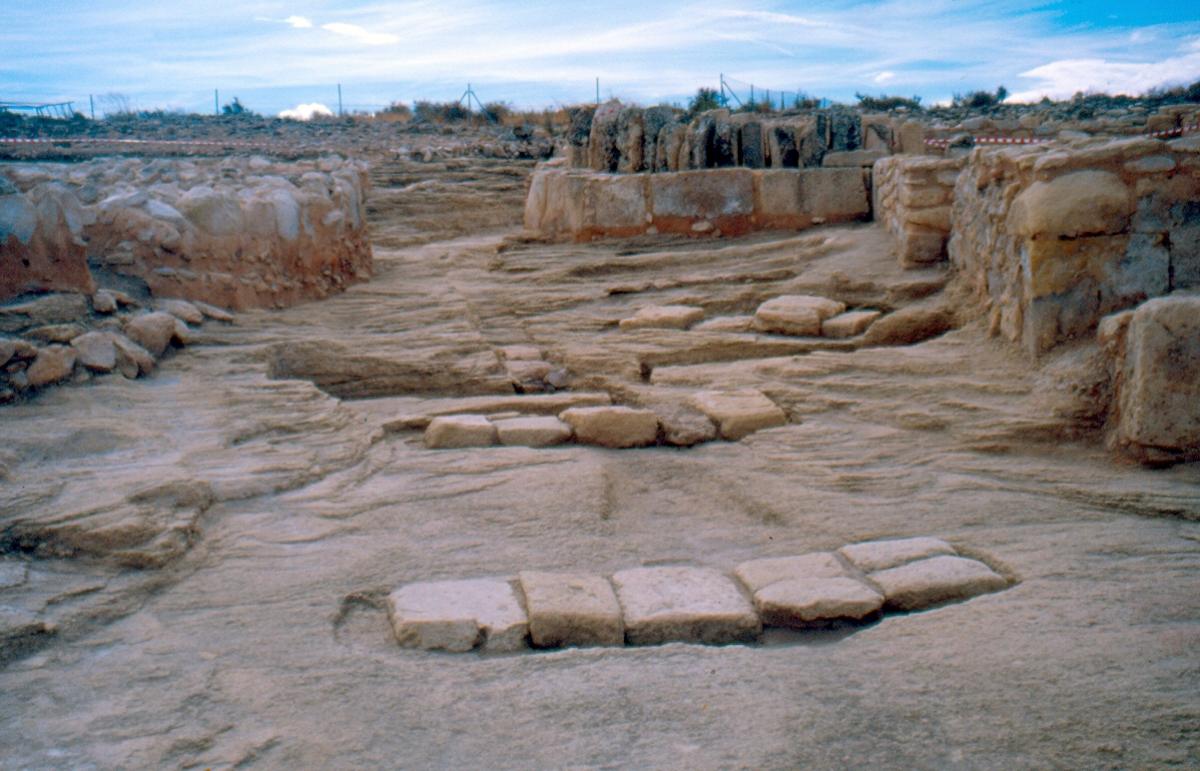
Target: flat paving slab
881 555
932 581
615 427
684 604
459 431
532 431
571 609
761 573
458 616
740 412
802 602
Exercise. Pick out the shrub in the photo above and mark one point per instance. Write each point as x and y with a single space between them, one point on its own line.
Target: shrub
705 99
883 102
980 100
237 108
440 112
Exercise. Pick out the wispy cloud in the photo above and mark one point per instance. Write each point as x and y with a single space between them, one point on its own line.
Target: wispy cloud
1062 78
884 77
299 22
359 34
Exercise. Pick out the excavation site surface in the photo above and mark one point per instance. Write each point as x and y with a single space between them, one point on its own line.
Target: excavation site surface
199 567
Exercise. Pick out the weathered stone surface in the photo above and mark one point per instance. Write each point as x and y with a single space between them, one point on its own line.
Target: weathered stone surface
182 310
881 555
853 158
684 604
153 331
727 324
528 371
53 363
804 602
534 431
458 616
927 582
21 631
132 359
570 609
835 195
910 325
739 413
612 426
849 324
213 312
1076 204
458 431
55 333
714 196
664 317
41 246
521 353
1159 399
96 351
800 315
761 573
12 573
56 308
103 301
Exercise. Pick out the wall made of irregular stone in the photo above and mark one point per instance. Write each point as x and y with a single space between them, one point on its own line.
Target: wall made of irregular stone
582 204
239 233
912 199
1054 237
41 240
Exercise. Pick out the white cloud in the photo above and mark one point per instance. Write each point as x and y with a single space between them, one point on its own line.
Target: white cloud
884 77
1063 78
299 22
360 34
307 111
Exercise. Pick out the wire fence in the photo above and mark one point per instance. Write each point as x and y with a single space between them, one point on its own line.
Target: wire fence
741 94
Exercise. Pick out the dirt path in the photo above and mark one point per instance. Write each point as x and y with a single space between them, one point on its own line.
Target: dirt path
263 642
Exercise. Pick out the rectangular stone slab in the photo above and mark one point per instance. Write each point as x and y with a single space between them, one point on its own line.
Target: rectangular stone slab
458 615
761 573
927 582
809 601
571 609
684 604
739 413
881 555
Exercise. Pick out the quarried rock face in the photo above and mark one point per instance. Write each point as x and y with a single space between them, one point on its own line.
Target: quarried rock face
912 198
234 233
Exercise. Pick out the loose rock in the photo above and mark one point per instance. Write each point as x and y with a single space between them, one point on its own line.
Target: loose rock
53 363
739 413
96 351
152 331
458 431
615 427
800 315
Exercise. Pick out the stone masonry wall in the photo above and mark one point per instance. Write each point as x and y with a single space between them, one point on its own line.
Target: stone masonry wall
237 233
582 204
1053 237
912 199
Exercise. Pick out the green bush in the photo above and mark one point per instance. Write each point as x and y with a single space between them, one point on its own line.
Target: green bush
705 99
883 102
979 100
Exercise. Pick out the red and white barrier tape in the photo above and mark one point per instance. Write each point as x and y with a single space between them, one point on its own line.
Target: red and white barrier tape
1165 133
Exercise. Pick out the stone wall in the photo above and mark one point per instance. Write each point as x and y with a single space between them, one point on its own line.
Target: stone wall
238 232
584 204
912 199
1053 237
619 138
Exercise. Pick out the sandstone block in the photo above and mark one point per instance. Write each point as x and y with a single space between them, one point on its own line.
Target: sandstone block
703 195
612 426
55 333
927 582
910 325
853 158
835 194
1076 204
664 317
53 363
683 604
458 616
1159 399
739 413
796 314
527 371
804 602
761 573
881 555
96 351
153 331
568 609
458 431
132 359
213 312
534 431
849 324
521 353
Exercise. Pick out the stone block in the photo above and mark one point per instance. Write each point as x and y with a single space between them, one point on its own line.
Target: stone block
796 314
684 604
853 158
96 351
777 199
458 431
761 573
527 371
615 204
835 195
722 196
568 609
1080 203
1159 398
881 555
739 413
849 324
182 310
921 246
935 580
616 427
799 603
532 431
152 331
664 317
53 363
458 616
521 353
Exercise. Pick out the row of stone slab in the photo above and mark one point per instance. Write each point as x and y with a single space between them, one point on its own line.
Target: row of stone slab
655 605
798 315
735 413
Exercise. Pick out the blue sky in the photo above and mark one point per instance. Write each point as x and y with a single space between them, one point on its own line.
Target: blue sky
274 54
